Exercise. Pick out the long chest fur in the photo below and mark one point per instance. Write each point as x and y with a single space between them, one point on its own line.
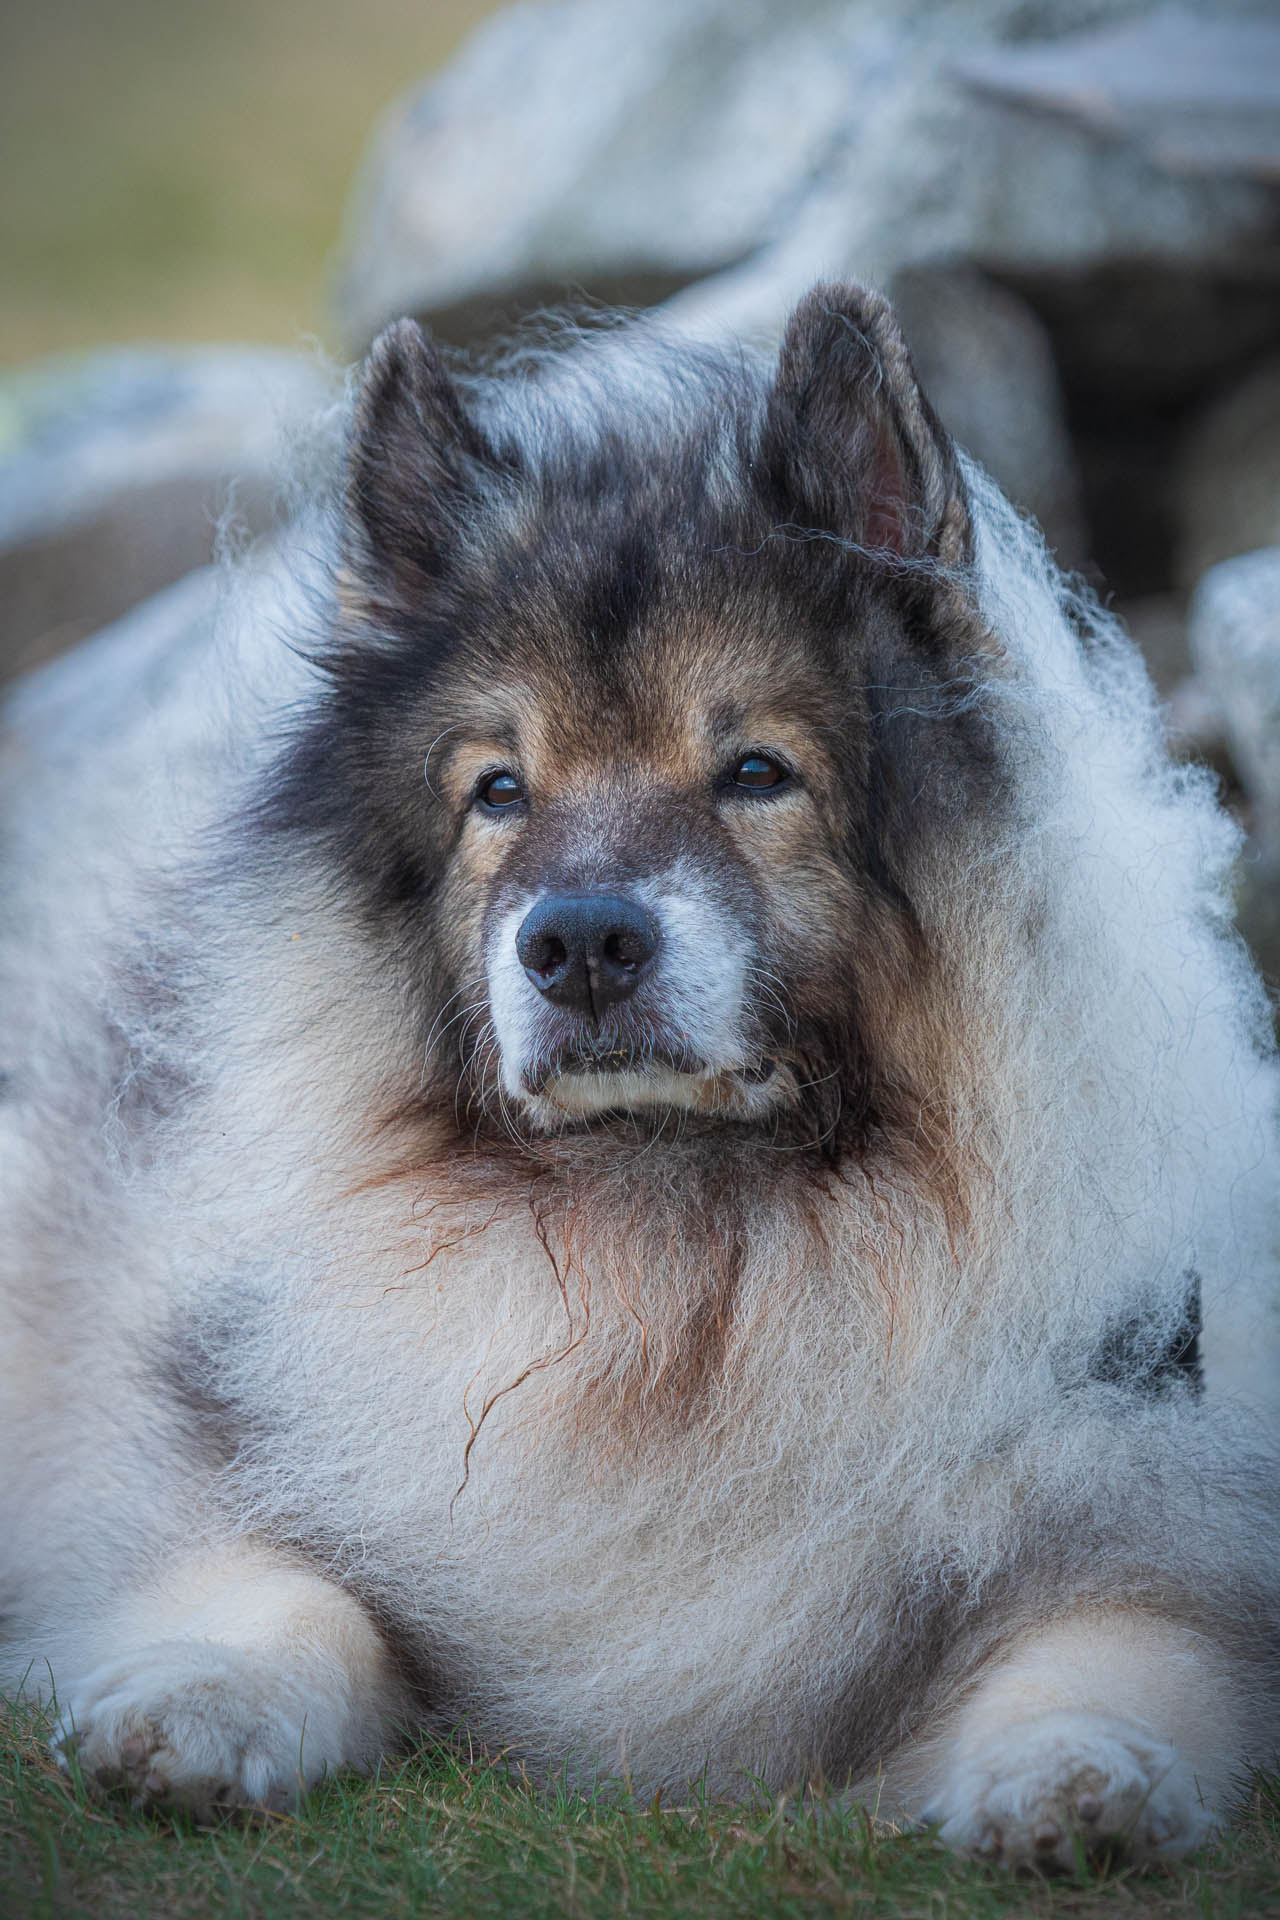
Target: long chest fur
616 1480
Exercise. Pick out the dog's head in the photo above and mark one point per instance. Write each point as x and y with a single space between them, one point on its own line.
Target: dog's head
649 717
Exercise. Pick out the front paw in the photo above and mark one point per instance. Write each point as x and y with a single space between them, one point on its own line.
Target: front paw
1039 1792
199 1725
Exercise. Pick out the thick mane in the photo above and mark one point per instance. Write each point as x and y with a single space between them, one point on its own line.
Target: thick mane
1059 1133
889 1384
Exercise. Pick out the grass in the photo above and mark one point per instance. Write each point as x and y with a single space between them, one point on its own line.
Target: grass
450 1834
176 171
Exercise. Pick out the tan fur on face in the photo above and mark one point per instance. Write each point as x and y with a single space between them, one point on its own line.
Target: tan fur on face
613 793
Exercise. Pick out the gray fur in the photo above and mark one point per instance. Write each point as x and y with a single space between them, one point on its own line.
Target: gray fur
216 1317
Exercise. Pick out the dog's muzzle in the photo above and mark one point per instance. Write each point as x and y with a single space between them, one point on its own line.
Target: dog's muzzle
617 999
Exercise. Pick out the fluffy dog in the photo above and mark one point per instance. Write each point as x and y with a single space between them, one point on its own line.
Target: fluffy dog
633 1121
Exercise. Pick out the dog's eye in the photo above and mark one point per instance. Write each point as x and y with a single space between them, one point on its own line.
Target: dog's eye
758 771
498 791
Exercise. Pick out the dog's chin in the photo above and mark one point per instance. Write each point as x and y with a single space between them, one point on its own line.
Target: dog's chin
582 1091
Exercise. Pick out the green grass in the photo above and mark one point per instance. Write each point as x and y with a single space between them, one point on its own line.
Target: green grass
449 1833
176 171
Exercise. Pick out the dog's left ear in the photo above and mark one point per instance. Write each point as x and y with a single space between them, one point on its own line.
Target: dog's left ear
850 443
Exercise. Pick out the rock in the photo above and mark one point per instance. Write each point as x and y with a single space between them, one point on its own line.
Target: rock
1158 622
115 469
1193 723
1140 336
1258 917
1234 636
1235 643
988 368
1228 480
1197 94
735 149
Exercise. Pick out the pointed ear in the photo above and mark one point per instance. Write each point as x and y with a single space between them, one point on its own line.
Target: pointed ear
414 463
850 441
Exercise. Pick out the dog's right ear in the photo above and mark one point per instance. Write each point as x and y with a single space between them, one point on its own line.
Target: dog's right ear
414 463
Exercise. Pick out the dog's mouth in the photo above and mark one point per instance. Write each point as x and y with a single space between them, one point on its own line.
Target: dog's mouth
579 1062
627 1077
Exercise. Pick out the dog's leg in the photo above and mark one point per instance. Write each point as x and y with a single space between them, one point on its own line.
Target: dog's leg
236 1681
1109 1730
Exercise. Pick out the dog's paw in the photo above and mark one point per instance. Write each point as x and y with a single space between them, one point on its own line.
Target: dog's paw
1037 1793
199 1725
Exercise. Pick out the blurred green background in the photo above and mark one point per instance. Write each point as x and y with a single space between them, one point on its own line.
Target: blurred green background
173 170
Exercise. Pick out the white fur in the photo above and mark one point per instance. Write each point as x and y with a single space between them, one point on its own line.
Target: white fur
1045 1786
1104 1728
513 1001
661 1604
259 1679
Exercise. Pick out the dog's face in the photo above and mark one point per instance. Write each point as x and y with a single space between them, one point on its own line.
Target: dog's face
649 880
636 735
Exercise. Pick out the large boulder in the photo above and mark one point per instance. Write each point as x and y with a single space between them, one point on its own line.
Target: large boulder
988 367
724 152
1234 636
1200 92
119 469
1228 482
1235 645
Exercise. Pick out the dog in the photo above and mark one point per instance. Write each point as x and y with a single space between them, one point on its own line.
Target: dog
633 1123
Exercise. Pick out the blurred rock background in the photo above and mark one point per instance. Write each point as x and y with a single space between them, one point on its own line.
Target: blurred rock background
1074 203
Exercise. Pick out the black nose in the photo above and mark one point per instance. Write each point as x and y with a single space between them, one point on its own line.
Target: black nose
587 950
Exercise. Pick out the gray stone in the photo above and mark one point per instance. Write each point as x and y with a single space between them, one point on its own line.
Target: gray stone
988 368
1193 719
1228 481
117 468
1158 622
1200 93
1258 918
735 149
1234 635
1235 643
1193 723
